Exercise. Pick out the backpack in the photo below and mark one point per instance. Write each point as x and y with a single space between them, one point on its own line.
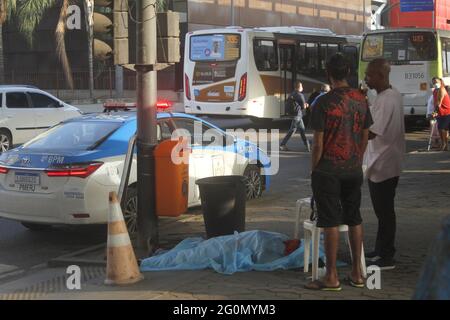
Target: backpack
290 106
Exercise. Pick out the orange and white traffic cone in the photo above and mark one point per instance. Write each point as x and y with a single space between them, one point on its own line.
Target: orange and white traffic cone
121 264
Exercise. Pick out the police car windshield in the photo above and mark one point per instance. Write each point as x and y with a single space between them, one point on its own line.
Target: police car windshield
75 135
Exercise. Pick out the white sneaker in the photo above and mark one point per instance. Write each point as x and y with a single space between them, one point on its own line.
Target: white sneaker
372 256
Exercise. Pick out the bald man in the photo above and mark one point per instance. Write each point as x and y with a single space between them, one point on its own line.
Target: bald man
384 158
324 89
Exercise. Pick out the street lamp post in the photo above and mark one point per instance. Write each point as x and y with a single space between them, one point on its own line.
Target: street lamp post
147 220
232 13
364 16
89 9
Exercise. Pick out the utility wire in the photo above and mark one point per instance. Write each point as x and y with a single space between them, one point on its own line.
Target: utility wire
135 19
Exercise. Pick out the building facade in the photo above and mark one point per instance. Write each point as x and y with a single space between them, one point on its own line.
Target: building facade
342 17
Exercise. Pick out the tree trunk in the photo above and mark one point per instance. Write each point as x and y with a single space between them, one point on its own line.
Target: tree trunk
61 44
2 60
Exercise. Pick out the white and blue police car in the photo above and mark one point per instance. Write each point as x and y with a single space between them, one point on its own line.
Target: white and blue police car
64 175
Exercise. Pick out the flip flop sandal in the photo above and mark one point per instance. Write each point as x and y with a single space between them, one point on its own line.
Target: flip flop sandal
319 285
354 284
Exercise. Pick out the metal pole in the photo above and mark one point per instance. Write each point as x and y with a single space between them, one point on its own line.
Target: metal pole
146 126
89 19
364 16
119 81
2 60
122 193
232 13
110 82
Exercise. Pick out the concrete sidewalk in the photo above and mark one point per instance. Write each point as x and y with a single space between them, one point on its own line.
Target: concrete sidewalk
422 203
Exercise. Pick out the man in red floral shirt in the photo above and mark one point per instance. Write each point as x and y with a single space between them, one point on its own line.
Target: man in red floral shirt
340 120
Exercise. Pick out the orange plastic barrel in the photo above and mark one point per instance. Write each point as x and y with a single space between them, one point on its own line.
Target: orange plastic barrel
172 178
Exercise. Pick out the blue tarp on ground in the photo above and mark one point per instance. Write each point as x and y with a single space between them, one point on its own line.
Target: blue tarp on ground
246 251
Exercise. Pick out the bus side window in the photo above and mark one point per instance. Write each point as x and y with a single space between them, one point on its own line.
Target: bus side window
322 58
301 58
308 61
332 48
351 53
265 54
326 51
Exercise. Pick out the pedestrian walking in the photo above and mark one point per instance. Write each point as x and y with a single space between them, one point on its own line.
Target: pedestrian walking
340 120
442 107
298 99
324 89
312 101
383 159
314 94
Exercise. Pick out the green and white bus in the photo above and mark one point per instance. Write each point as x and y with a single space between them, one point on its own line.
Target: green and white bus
416 55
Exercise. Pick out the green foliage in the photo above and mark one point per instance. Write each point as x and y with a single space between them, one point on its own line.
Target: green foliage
161 5
7 9
29 14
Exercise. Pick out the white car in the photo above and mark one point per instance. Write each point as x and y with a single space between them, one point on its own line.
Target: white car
26 111
64 175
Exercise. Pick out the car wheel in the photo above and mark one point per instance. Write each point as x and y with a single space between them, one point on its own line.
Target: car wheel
130 210
36 226
253 182
5 141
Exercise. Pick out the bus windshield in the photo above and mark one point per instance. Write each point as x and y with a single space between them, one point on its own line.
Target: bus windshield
215 47
400 46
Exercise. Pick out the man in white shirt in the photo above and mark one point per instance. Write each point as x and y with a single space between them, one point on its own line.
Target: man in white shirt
383 158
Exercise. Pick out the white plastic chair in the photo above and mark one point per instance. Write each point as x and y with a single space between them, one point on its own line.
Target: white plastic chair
312 233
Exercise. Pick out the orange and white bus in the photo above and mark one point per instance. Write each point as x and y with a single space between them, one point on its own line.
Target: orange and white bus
250 72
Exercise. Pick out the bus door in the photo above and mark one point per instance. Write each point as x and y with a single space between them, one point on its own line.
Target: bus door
287 76
351 53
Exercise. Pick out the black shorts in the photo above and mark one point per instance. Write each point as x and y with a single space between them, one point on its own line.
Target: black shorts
338 198
443 122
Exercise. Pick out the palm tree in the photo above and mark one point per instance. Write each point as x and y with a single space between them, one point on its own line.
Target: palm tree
6 8
30 13
61 43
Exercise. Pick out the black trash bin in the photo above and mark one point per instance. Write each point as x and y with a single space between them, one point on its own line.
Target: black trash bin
223 204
